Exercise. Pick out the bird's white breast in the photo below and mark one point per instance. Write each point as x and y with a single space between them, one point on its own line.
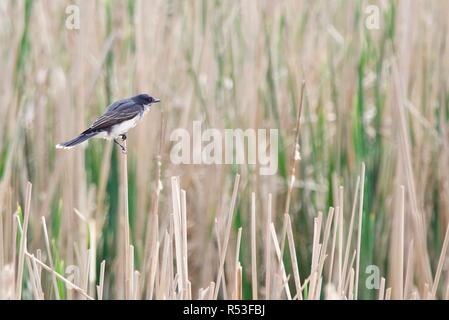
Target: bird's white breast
124 126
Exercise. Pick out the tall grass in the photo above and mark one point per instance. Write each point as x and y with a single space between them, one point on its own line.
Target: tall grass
362 180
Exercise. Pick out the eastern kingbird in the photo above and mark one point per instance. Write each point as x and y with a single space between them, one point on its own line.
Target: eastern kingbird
119 117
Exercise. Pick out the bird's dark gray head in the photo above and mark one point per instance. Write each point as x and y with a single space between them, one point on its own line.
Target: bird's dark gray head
145 99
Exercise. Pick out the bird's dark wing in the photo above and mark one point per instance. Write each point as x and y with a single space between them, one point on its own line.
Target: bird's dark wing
116 113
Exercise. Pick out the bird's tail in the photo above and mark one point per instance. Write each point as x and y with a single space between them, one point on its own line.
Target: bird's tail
75 141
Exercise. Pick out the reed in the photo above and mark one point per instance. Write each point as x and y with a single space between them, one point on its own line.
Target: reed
356 210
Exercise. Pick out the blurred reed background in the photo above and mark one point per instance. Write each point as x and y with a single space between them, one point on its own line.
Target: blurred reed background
374 145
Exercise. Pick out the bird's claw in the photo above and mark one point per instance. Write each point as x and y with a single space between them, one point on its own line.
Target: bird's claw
120 145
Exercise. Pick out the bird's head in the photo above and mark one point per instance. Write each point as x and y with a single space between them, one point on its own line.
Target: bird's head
145 99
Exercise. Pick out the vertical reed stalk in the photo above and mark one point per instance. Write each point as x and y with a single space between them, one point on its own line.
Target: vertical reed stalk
23 242
128 276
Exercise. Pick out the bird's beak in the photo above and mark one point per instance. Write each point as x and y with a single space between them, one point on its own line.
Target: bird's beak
156 100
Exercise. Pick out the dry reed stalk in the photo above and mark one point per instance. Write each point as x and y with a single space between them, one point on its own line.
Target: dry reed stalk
15 231
317 237
151 228
313 279
202 293
340 240
316 251
126 232
319 274
153 270
427 295
295 268
382 289
319 287
93 254
238 282
347 284
211 291
2 250
223 280
171 275
6 229
150 249
33 280
388 294
177 224
162 287
85 273
130 271
189 290
398 276
351 225
10 233
351 285
280 261
23 242
88 270
359 232
334 239
440 263
104 173
100 287
417 217
136 285
410 269
316 277
295 154
184 241
327 230
237 255
70 284
268 250
227 234
253 247
39 268
50 258
446 293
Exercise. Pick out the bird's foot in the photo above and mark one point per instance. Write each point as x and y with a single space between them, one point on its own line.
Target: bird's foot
120 145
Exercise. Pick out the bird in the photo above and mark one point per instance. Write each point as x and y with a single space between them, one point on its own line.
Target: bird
115 122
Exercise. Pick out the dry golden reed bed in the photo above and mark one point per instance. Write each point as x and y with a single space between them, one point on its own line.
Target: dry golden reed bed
365 216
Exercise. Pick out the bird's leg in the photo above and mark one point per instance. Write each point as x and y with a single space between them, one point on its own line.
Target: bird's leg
121 146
